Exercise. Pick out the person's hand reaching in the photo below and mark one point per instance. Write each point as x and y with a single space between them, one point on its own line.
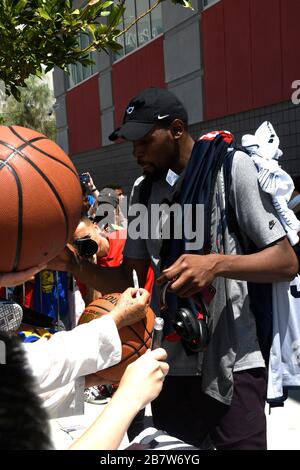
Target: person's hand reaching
143 379
19 277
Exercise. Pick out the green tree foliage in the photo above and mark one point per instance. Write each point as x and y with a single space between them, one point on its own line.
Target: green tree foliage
45 32
34 110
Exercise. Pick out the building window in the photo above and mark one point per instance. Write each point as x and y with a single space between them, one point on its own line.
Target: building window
78 72
208 3
146 28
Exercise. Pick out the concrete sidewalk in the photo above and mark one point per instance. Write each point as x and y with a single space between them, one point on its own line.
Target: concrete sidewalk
65 430
283 425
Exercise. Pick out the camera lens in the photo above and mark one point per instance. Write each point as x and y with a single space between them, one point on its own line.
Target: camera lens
86 247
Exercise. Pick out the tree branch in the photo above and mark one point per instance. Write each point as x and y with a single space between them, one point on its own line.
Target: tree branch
139 18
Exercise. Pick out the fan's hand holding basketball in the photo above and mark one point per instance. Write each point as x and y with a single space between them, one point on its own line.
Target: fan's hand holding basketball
135 337
143 379
130 308
18 277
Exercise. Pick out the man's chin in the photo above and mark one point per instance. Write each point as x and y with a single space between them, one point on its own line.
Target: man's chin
148 170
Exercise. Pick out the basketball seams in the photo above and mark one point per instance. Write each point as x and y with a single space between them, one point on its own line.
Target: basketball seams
145 326
15 151
5 163
41 173
30 144
20 215
54 190
130 327
26 166
135 352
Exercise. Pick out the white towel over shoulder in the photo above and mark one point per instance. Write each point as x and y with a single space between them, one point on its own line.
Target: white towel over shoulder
264 150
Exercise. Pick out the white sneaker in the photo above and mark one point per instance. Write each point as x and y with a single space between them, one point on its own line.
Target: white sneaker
95 395
11 315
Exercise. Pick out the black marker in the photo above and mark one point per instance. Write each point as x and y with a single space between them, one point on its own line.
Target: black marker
157 334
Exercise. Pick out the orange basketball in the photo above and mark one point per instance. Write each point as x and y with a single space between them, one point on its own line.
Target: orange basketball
41 198
136 339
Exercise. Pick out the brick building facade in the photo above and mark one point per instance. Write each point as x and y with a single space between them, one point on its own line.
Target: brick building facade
231 62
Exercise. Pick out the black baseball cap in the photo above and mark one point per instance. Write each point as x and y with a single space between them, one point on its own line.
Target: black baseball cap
108 196
149 108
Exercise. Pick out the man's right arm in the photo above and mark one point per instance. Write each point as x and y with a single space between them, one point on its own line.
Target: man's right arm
103 279
112 279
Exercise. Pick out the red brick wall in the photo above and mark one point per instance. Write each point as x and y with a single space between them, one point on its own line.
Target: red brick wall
84 119
139 70
251 54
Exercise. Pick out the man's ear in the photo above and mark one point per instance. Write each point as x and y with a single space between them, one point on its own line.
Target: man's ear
177 128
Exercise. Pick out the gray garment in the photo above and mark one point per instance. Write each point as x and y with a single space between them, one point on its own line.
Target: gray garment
233 345
149 247
260 225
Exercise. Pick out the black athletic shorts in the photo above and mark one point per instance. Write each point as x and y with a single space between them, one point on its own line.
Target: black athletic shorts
184 411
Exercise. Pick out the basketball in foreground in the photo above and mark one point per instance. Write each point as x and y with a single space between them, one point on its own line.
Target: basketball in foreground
136 338
41 198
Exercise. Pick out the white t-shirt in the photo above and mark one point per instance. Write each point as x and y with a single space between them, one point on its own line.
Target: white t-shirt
284 365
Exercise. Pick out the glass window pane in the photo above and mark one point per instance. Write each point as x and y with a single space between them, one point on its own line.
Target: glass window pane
131 35
143 26
71 76
93 66
84 40
121 52
79 74
86 71
206 3
156 20
147 28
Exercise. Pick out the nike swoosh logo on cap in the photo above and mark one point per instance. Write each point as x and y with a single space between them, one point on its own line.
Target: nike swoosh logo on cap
163 117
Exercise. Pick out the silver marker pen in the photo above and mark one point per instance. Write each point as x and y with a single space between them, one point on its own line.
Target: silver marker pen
157 334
